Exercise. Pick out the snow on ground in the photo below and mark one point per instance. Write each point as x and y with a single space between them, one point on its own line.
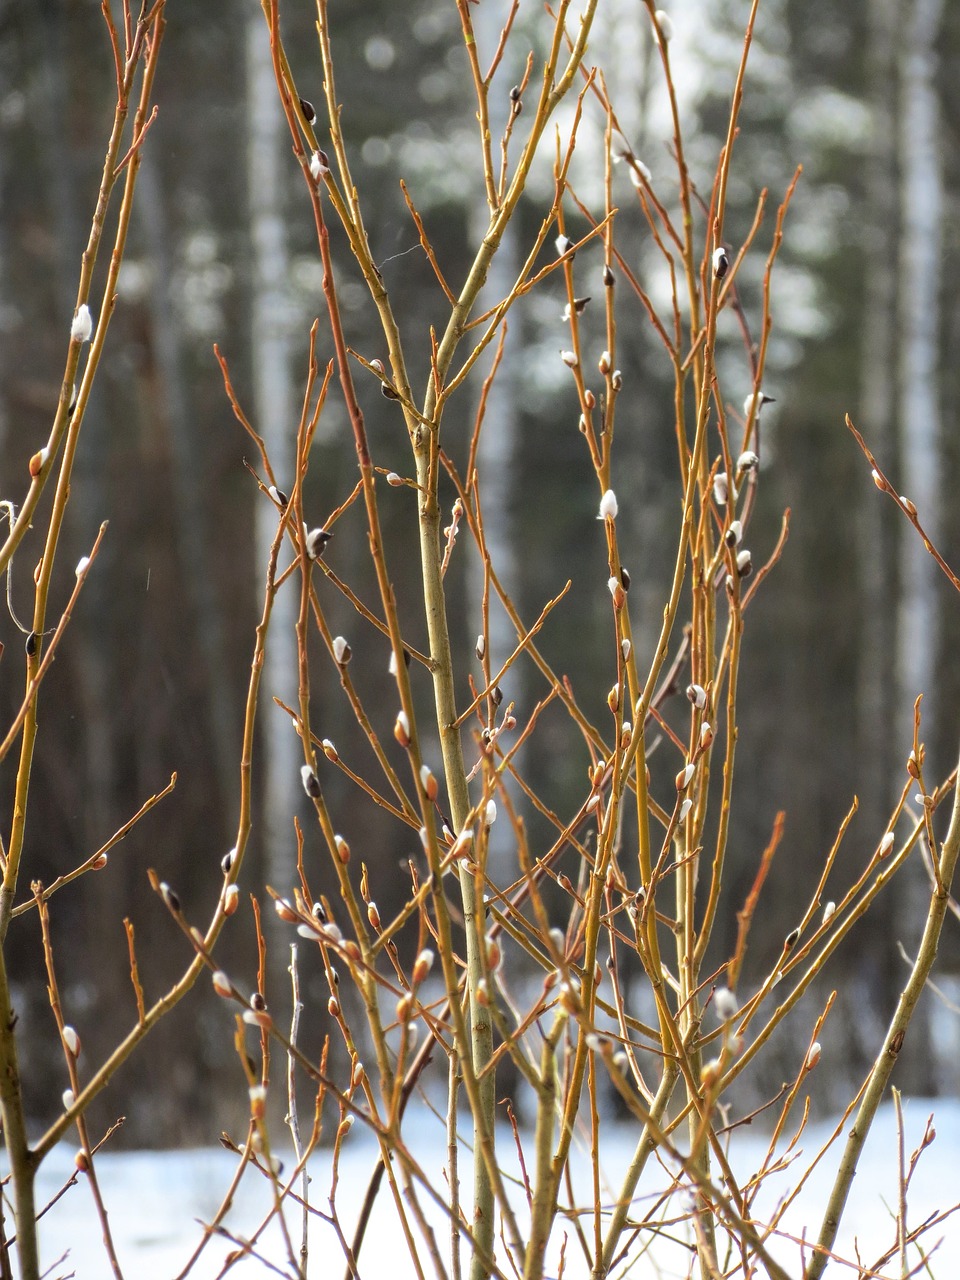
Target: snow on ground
157 1199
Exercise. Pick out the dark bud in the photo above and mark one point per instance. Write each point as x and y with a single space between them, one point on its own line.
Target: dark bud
257 1003
697 695
309 114
30 647
319 912
311 783
388 392
790 941
317 540
170 898
721 262
607 278
579 304
496 695
515 94
342 653
624 578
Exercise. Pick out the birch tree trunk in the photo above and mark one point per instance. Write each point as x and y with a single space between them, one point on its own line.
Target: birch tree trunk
275 416
496 453
172 404
877 747
918 620
921 199
880 748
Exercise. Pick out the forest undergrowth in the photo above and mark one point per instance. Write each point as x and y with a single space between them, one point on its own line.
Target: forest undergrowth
514 956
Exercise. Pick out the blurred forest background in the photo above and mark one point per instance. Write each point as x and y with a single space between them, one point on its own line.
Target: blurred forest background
852 625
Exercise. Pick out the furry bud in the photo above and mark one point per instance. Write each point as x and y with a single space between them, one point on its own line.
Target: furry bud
697 695
422 966
608 506
81 329
429 782
315 542
665 24
311 783
169 897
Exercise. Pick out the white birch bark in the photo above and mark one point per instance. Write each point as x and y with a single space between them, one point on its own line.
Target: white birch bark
872 978
276 417
921 212
876 694
496 453
921 199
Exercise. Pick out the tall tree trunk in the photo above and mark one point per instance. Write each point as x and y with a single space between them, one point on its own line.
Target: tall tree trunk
921 200
496 466
91 662
276 417
497 450
192 524
879 748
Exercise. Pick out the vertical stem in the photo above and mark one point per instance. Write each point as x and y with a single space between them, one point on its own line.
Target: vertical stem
453 1174
645 1147
23 1162
293 1117
481 1028
541 1211
110 174
887 1057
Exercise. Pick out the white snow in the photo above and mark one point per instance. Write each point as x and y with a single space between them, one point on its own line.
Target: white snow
157 1201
